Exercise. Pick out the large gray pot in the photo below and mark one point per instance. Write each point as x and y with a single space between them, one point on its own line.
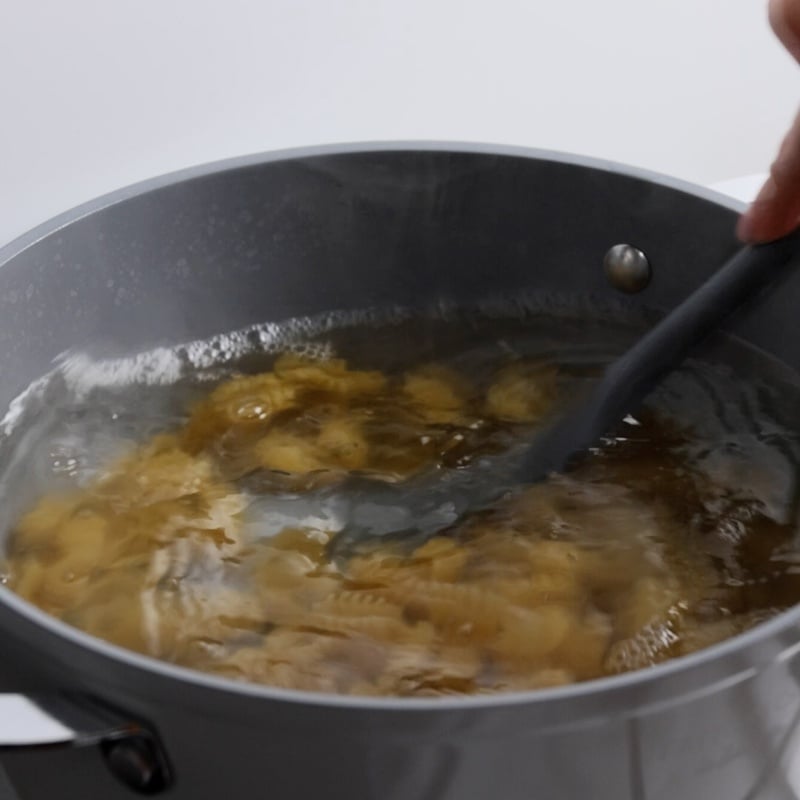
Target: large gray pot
276 236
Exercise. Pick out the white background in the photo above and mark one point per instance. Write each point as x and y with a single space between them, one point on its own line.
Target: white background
95 94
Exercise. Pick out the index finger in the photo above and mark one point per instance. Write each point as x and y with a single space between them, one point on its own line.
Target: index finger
784 16
776 210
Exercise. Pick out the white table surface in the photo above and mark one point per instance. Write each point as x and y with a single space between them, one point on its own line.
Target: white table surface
96 95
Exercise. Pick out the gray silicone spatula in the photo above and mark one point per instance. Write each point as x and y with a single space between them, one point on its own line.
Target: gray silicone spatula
417 509
629 379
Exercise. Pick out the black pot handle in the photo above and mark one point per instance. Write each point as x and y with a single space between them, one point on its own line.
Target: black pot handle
132 751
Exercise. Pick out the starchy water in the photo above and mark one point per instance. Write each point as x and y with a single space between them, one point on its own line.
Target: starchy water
183 503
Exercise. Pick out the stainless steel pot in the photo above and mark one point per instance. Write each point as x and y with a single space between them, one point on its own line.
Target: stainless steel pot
271 237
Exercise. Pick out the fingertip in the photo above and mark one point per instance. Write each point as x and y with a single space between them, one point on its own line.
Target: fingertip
770 215
784 19
746 229
755 227
775 14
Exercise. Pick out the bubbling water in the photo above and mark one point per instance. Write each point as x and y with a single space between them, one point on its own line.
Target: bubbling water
178 503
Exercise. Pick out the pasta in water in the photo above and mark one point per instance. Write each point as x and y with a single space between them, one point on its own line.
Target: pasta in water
589 574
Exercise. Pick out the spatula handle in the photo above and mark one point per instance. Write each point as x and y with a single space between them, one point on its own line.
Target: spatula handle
739 280
631 377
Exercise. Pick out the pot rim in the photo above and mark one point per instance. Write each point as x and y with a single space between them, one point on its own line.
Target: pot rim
638 679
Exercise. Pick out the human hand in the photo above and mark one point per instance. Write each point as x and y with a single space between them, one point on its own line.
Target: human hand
776 210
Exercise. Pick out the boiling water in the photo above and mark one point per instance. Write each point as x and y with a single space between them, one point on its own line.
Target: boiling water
677 531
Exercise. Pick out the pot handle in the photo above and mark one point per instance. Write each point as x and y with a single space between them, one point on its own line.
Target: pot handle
132 751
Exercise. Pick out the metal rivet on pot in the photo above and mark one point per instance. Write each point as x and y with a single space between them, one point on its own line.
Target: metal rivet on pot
627 268
133 761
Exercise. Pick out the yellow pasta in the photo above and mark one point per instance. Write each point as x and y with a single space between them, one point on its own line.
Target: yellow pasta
522 393
583 652
437 394
363 603
343 443
285 452
459 610
532 634
566 581
331 375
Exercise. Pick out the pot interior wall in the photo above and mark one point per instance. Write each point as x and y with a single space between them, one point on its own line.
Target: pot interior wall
265 241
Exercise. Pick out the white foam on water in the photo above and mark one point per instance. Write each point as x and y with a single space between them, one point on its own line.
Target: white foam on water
19 405
157 367
162 366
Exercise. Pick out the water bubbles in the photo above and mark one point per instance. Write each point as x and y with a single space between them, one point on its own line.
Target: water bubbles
252 410
646 647
63 463
731 530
